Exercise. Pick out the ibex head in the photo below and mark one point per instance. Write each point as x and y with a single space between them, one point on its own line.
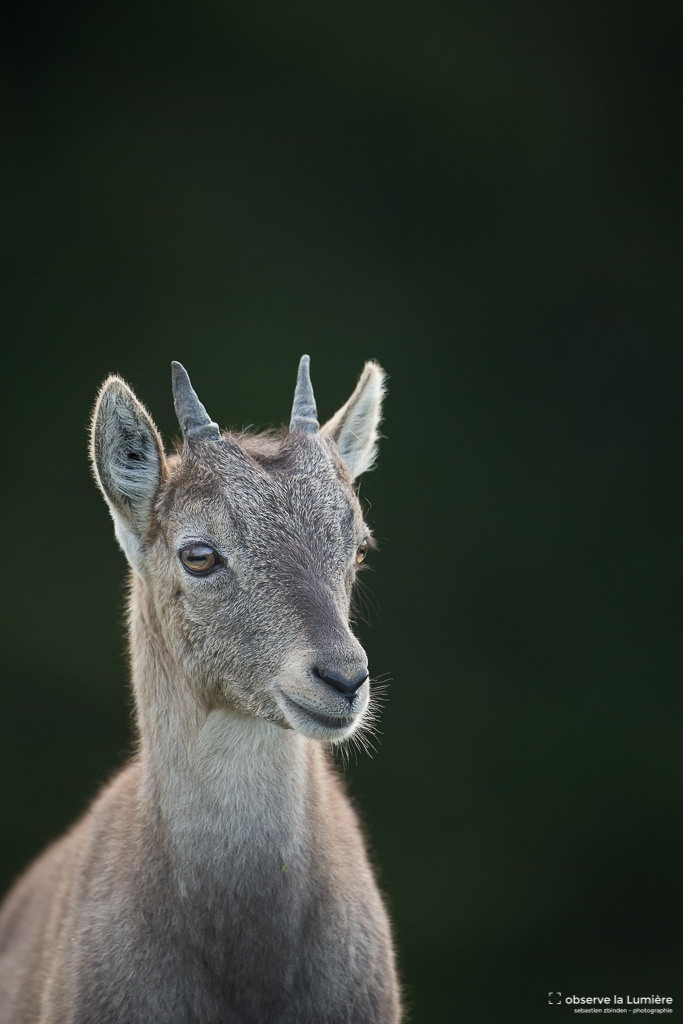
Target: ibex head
246 548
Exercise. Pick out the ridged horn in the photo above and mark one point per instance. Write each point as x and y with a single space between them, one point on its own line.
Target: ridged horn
192 416
304 413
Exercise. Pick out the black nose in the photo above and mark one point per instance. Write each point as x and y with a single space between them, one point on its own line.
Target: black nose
341 683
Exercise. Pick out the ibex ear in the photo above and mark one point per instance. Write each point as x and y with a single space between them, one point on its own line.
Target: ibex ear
354 428
128 462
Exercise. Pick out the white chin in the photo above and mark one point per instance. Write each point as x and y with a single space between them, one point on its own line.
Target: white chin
317 724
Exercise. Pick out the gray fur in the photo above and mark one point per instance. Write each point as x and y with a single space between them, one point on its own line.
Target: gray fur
220 878
304 412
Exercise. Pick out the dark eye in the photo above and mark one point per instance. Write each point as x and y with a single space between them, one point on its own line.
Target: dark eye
198 558
361 552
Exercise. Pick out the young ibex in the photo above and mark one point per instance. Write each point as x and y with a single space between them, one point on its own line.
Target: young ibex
221 877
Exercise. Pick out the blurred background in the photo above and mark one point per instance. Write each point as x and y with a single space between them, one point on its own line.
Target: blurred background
485 197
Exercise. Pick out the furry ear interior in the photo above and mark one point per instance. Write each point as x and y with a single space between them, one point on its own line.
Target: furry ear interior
355 427
128 462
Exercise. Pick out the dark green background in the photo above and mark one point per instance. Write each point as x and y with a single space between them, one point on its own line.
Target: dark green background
485 197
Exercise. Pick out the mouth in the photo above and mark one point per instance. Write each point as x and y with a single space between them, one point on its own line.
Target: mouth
329 724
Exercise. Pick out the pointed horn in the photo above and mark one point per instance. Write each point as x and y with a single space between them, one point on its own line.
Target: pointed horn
304 413
192 415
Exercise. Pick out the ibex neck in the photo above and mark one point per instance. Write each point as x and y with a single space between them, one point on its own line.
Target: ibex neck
203 766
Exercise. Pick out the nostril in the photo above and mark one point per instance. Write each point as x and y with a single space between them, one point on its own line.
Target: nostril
343 684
